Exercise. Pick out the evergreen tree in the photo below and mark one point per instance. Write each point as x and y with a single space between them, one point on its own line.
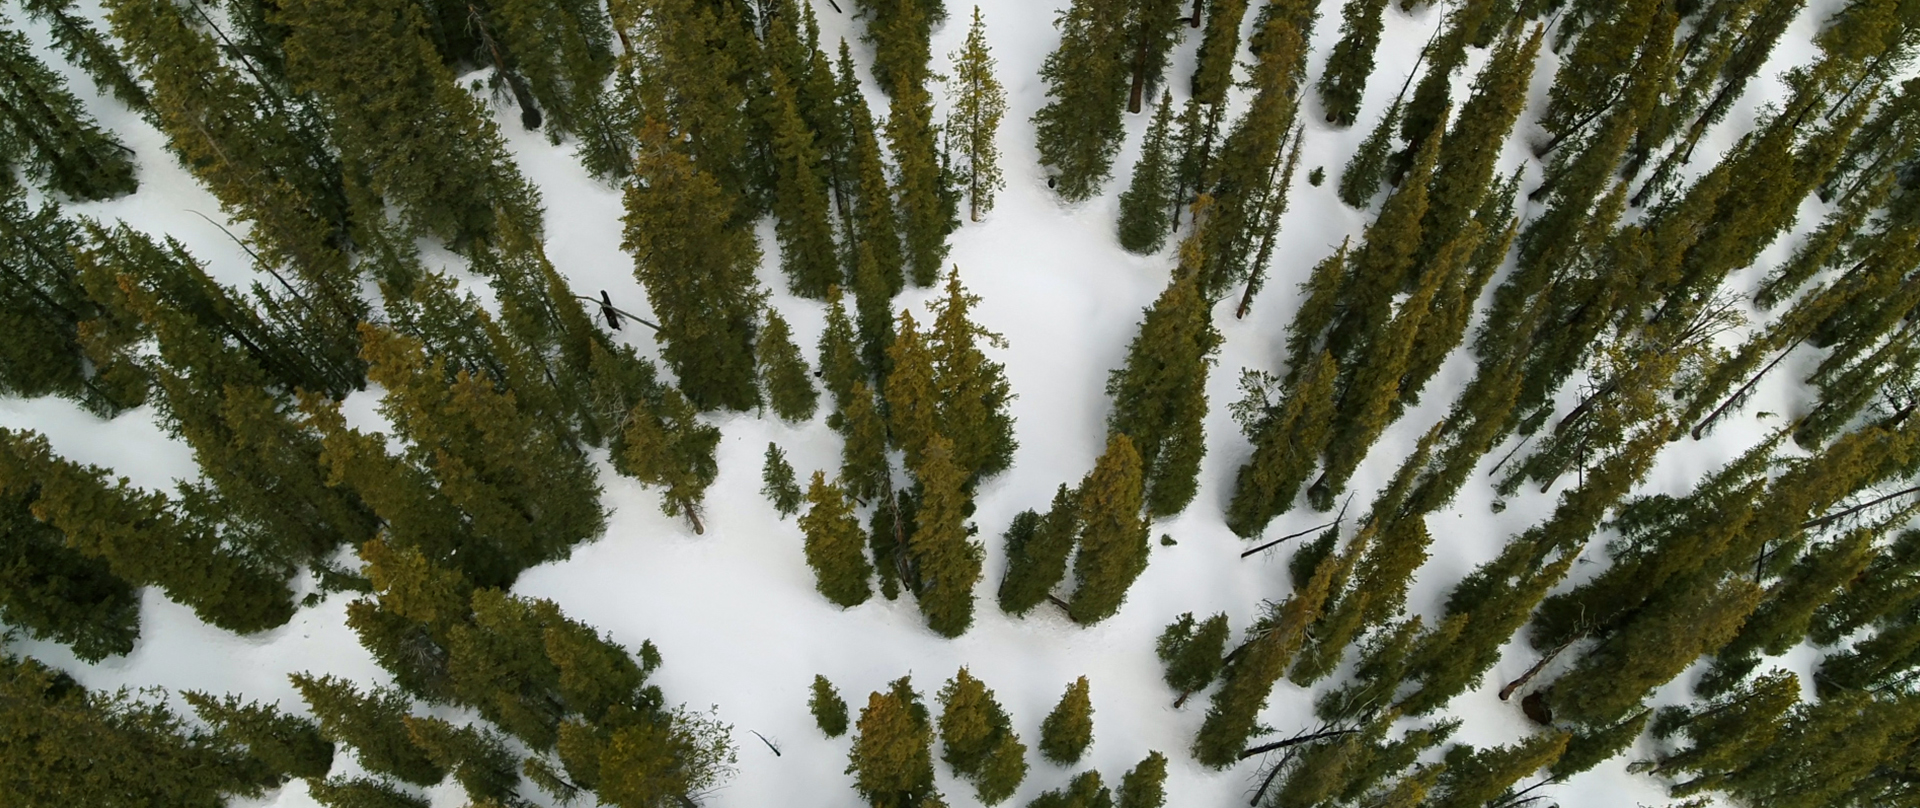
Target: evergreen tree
477 758
1586 750
1113 536
841 363
1143 206
667 445
1482 776
361 792
800 204
1159 398
678 217
864 469
1067 731
49 591
912 400
835 545
777 483
978 106
1463 170
788 382
42 297
975 734
900 31
1288 441
973 390
1037 549
873 299
563 50
944 559
1153 26
44 127
1240 184
1361 178
1002 772
1144 785
1085 791
1079 128
283 745
142 537
696 64
373 724
1193 655
927 209
1344 81
892 756
86 48
872 219
829 710
1213 70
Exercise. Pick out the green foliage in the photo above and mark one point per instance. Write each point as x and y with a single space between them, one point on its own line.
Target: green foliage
1193 654
1361 178
1079 128
46 305
800 204
563 51
1213 69
1288 441
927 206
841 363
50 591
1476 777
1144 207
1586 750
1159 397
1067 731
361 792
678 216
1085 791
476 757
836 546
788 382
973 390
864 468
373 724
284 746
978 105
1113 535
1259 662
777 483
944 560
977 739
829 710
892 756
1344 80
874 223
1037 549
1144 785
44 126
667 445
75 37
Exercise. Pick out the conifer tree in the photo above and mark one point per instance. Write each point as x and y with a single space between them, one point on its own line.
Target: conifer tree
800 204
1463 171
912 400
284 745
777 482
476 758
1113 536
899 31
1085 791
873 299
696 62
1153 27
1586 750
788 382
892 756
1219 47
1159 397
841 362
1193 654
1361 178
927 207
1344 81
49 591
1482 776
973 390
86 48
829 710
43 126
142 536
1288 441
678 217
945 561
361 792
1037 549
976 738
836 546
979 104
373 724
1143 206
667 445
44 300
1067 731
1144 785
1241 184
864 469
872 219
564 51
1079 128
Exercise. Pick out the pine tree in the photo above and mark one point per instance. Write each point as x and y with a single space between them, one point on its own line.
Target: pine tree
1193 654
1159 398
1361 178
973 390
841 363
1113 536
892 756
836 547
678 217
49 591
1067 731
777 482
1344 81
1085 791
1144 785
978 106
829 710
283 745
912 400
1586 750
1240 184
1037 549
873 299
1463 171
696 64
972 725
1143 206
44 127
86 48
373 724
1482 776
944 560
800 204
872 220
1079 128
666 444
1213 71
864 468
1152 29
1287 445
564 51
788 382
477 758
927 207
361 792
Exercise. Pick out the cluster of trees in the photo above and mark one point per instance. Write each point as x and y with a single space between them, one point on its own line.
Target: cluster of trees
892 751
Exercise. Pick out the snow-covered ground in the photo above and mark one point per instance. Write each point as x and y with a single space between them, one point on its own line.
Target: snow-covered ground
734 611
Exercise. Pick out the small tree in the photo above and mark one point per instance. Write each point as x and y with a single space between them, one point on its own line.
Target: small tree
829 710
1037 549
836 547
666 444
777 483
978 105
1145 785
1193 655
892 755
285 745
1113 536
784 373
944 560
1086 791
374 725
1068 730
1144 207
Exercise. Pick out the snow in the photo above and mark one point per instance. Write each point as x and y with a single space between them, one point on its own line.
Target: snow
734 611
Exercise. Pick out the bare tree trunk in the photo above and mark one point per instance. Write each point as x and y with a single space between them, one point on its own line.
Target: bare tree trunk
1294 741
1521 682
1289 536
1194 21
1733 400
529 112
693 515
1830 519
